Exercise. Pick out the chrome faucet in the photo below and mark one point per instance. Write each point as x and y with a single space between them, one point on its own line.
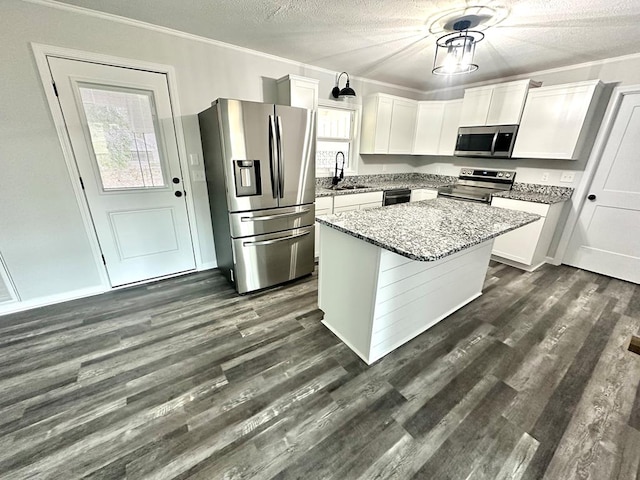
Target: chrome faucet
336 178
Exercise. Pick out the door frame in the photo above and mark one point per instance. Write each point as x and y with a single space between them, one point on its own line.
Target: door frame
578 198
41 52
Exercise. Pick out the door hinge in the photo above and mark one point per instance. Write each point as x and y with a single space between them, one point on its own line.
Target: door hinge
103 260
81 183
55 89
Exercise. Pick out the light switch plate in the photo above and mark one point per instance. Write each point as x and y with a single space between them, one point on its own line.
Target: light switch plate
193 159
545 177
567 177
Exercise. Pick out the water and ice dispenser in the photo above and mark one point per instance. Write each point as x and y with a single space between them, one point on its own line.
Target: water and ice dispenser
247 175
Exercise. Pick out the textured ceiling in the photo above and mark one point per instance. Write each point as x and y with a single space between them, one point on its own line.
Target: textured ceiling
390 40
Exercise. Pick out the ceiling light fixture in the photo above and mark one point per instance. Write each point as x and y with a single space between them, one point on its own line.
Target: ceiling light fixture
347 91
454 51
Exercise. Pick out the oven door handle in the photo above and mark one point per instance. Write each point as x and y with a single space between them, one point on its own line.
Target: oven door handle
494 141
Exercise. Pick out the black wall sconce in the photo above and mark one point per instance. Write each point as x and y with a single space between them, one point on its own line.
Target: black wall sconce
347 91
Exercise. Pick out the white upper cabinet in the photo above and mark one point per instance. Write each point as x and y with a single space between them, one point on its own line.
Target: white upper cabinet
556 120
437 127
428 128
450 124
500 104
403 125
298 91
388 124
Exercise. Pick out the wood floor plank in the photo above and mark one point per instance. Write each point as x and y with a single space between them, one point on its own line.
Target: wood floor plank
183 378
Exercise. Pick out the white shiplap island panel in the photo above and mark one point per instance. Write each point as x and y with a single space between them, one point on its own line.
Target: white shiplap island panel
374 299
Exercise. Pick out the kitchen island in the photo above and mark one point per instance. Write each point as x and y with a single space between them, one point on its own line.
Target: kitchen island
388 274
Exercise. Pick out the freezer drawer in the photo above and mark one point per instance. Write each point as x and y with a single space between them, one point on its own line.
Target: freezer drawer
272 220
265 260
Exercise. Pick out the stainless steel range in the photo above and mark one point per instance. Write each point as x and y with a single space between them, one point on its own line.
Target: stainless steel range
477 185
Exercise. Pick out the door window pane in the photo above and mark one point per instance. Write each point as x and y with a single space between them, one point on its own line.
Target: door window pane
123 134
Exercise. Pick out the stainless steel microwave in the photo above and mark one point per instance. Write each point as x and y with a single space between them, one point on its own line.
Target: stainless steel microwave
491 141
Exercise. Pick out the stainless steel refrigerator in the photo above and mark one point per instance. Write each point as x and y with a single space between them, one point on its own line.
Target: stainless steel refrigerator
260 168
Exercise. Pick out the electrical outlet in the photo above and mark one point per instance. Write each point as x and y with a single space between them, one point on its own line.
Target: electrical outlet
193 159
198 176
545 177
567 177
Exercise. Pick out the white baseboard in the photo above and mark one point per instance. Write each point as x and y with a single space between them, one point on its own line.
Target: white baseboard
13 307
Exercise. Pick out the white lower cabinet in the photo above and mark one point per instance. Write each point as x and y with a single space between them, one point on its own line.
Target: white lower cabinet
357 201
324 206
423 194
526 247
344 203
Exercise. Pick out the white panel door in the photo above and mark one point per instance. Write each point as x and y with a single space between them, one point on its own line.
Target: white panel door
606 237
120 125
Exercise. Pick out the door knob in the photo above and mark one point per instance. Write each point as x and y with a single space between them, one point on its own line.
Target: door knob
176 180
178 193
591 197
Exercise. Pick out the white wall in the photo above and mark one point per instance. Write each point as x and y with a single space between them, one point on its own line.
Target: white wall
42 237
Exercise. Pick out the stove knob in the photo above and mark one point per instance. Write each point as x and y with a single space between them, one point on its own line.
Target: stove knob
500 174
508 175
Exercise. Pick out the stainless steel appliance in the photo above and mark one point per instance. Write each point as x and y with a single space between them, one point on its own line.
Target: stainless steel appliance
399 195
260 167
477 185
491 141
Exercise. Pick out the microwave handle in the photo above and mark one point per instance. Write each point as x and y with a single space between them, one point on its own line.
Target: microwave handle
493 142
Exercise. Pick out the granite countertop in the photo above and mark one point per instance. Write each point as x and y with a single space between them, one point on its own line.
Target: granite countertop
428 230
377 183
527 192
531 192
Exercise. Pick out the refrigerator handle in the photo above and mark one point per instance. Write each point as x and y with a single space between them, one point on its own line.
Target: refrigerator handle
272 155
280 157
275 240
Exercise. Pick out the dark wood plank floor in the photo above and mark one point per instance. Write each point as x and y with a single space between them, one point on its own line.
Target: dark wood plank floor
184 379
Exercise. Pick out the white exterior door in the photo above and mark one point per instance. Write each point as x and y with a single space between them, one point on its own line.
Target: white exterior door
607 236
120 125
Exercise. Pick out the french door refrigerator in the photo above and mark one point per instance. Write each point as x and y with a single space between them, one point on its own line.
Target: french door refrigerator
260 167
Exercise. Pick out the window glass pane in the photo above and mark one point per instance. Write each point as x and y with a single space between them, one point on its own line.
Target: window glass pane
326 152
334 123
124 137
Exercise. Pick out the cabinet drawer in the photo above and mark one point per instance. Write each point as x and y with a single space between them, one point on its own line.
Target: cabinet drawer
357 199
530 207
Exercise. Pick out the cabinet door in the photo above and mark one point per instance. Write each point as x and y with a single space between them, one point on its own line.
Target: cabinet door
403 125
520 245
428 128
365 206
423 194
507 103
450 124
298 92
475 106
376 124
554 121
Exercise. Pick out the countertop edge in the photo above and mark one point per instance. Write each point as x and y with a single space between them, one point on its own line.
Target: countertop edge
409 255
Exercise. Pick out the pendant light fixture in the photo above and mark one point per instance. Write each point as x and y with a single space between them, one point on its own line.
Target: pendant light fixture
454 51
347 91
